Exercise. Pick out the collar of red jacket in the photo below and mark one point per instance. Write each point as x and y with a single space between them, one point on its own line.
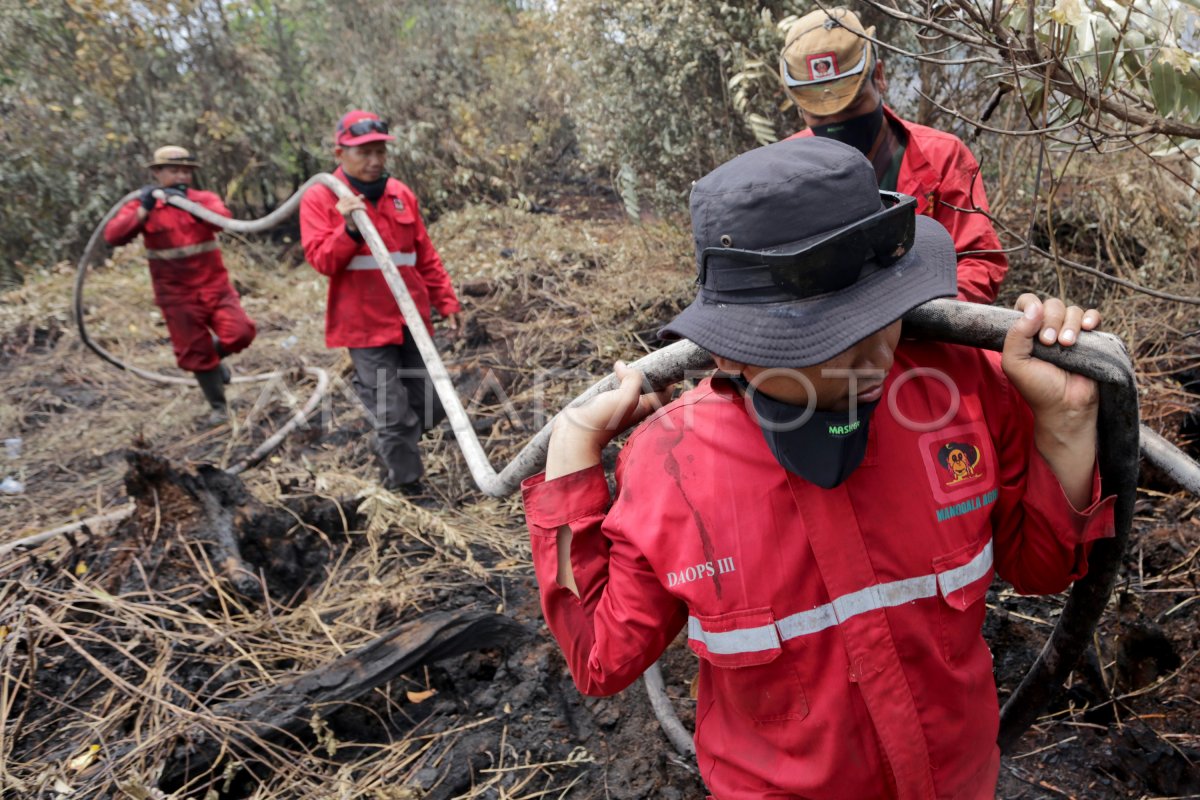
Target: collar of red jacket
927 180
924 179
388 191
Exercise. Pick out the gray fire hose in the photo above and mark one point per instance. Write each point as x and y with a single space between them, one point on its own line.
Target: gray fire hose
1096 355
661 367
1175 463
1099 356
664 366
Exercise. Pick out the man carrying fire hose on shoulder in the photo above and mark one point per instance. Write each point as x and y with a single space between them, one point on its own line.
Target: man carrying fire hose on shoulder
389 374
824 514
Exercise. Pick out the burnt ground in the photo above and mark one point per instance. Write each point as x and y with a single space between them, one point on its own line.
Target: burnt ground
120 640
1124 727
513 708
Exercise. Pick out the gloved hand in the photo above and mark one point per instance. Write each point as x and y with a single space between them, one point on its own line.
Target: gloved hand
178 191
148 198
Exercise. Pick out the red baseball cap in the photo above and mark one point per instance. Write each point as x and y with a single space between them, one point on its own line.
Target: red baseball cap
359 127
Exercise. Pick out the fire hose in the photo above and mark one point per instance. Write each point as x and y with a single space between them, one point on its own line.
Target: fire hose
1099 356
269 221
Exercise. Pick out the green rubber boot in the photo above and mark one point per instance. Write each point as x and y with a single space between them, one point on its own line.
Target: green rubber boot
226 373
213 385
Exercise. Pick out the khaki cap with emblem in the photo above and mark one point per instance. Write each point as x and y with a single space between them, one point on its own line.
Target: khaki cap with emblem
172 156
825 60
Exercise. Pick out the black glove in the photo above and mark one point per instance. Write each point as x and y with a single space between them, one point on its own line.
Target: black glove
148 198
178 191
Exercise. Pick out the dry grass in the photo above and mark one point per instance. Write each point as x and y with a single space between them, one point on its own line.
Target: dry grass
158 658
561 294
546 293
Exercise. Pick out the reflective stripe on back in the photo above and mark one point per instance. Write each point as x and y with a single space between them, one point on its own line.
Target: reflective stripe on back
872 598
398 258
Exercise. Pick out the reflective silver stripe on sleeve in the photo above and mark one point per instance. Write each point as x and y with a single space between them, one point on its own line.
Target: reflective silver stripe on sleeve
746 640
167 253
872 598
368 261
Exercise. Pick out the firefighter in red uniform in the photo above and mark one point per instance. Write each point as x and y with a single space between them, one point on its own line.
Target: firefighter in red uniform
826 513
361 313
836 79
191 287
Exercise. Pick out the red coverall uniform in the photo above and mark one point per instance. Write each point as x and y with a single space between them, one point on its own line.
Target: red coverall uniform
191 286
939 170
839 631
361 311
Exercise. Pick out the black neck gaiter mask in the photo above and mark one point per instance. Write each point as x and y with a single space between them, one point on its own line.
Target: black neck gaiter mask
824 450
372 190
859 132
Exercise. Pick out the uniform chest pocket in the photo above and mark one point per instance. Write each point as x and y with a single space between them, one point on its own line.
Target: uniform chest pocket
399 211
748 668
157 223
174 222
963 578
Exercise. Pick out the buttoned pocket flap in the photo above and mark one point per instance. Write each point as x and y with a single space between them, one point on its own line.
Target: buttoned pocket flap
963 577
737 639
402 211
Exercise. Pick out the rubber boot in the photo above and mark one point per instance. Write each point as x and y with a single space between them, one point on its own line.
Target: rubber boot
226 373
213 387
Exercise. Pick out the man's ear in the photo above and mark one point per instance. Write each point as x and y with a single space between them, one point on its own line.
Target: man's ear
878 77
337 153
728 365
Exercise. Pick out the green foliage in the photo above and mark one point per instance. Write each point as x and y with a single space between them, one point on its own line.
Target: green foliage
1118 50
497 99
88 89
654 93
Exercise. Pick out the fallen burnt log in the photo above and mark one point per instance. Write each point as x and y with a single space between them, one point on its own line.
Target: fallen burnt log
215 497
285 711
257 548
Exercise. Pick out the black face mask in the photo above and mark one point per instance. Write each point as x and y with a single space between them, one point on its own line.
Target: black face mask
372 190
859 132
824 450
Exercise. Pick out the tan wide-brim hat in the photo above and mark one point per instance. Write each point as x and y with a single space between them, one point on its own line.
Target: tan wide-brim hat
825 60
172 156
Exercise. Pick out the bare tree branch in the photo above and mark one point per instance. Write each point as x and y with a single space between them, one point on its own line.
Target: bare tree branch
995 44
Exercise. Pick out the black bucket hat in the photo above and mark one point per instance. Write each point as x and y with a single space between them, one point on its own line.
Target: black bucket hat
800 255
